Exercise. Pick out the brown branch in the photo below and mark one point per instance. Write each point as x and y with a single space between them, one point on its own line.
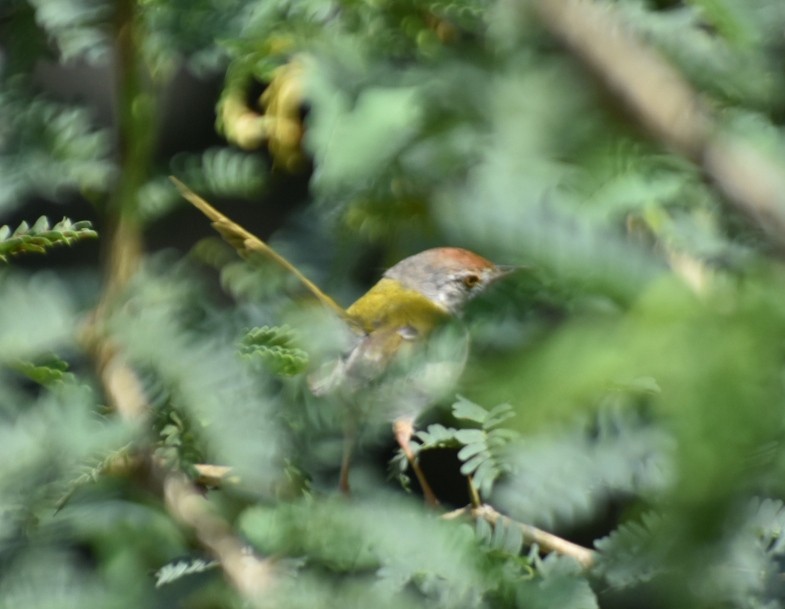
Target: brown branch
531 534
665 103
248 573
251 575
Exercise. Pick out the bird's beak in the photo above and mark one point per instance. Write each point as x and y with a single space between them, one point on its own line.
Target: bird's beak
502 270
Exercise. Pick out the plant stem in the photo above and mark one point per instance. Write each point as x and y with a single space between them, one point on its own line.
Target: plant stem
135 127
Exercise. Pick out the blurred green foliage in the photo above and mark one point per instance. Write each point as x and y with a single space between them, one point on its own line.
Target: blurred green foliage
638 360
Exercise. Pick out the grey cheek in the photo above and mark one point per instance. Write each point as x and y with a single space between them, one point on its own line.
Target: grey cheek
451 299
446 298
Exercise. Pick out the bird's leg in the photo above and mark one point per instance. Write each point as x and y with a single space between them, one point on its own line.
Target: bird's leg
349 437
404 430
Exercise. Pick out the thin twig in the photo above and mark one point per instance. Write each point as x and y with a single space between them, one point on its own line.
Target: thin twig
665 103
245 242
474 494
455 514
531 534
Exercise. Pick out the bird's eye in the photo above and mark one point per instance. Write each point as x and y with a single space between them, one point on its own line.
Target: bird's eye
470 281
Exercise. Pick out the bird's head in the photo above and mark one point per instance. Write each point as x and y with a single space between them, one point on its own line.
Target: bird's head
448 276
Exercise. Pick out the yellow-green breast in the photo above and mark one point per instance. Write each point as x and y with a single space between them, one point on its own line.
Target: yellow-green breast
389 305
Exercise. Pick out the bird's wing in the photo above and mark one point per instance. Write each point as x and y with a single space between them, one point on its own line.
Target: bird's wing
396 373
421 372
364 363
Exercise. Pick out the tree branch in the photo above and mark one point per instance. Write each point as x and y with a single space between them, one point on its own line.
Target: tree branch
665 103
531 534
249 574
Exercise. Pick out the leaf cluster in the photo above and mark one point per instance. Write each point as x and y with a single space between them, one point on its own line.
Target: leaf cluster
49 148
275 348
481 448
42 236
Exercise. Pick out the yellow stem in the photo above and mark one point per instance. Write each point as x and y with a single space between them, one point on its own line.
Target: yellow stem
244 241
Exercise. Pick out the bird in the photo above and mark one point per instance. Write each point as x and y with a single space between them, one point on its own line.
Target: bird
401 354
393 363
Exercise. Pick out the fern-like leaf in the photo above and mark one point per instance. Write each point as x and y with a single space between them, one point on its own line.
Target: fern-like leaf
175 570
274 347
387 536
42 236
437 436
50 370
482 452
633 553
74 25
742 571
560 585
223 172
92 473
177 444
49 149
566 477
229 407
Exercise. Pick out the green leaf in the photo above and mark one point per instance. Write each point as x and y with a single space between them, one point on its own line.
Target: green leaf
470 436
93 472
483 530
470 450
74 24
48 370
362 536
437 434
274 346
507 536
40 237
470 466
49 149
564 478
355 140
482 454
231 408
560 586
464 409
174 571
221 172
498 415
36 313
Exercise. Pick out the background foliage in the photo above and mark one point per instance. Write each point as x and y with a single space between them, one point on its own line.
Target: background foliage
625 393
